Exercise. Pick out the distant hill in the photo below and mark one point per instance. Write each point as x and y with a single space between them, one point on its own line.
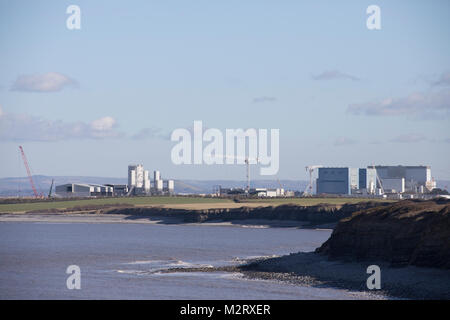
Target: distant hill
20 186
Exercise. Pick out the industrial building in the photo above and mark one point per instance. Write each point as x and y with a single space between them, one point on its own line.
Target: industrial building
119 189
416 179
138 180
83 190
160 186
367 180
258 192
374 180
169 186
267 193
337 180
138 184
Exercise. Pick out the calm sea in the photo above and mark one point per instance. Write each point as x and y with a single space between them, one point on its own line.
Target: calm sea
120 261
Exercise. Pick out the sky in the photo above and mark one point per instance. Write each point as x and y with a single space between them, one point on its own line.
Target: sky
90 102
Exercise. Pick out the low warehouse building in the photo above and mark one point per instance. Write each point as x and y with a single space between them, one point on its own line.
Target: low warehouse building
83 190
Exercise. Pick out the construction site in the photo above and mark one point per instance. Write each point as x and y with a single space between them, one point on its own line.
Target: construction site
375 181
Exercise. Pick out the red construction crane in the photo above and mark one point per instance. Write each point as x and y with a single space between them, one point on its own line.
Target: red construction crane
28 172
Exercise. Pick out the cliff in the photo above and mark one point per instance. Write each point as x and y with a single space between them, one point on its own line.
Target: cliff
318 214
409 232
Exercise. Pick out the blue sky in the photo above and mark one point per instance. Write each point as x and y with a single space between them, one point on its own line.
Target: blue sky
91 101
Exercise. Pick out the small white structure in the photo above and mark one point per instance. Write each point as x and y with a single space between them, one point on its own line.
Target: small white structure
271 193
264 192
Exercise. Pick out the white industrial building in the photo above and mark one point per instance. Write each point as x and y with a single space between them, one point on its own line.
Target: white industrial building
269 193
169 186
138 184
138 180
161 186
83 190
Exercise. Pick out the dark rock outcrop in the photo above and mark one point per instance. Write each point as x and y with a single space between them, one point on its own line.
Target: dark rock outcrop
318 214
409 232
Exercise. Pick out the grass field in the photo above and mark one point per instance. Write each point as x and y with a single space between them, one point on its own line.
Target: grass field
178 202
138 201
315 201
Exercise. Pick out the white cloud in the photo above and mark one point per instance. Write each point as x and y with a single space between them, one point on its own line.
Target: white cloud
1 110
433 104
103 124
20 127
333 75
46 82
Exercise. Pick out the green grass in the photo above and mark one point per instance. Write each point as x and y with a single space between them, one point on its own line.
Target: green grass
315 201
23 207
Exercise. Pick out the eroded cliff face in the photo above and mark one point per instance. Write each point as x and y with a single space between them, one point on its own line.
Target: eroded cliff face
318 214
408 232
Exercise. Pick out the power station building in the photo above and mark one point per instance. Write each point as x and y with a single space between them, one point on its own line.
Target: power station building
337 180
406 178
138 180
368 180
374 180
138 184
161 186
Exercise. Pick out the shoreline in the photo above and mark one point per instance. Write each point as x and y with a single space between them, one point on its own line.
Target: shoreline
309 269
318 216
127 219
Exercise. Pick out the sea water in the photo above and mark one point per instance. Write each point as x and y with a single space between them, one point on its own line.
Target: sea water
122 261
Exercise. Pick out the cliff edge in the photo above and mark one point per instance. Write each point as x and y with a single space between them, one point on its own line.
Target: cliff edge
409 232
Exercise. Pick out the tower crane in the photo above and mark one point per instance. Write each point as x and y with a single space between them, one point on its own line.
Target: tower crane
50 191
25 161
247 161
309 187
